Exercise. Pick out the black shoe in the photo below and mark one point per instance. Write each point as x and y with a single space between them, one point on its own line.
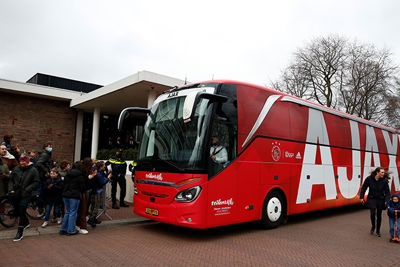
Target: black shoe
19 236
91 223
372 230
114 206
123 205
63 232
27 226
97 221
378 234
72 233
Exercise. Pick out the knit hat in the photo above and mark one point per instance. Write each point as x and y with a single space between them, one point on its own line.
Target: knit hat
396 195
25 158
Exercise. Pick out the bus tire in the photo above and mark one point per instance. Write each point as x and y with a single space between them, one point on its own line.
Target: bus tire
274 210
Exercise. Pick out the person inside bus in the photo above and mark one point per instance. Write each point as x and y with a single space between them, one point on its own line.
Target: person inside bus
218 153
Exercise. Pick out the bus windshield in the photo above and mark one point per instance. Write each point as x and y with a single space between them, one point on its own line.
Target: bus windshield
169 142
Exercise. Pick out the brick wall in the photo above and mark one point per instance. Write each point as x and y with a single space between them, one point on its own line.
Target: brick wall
34 121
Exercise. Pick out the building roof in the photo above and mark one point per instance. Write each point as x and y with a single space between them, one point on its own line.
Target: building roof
41 91
133 90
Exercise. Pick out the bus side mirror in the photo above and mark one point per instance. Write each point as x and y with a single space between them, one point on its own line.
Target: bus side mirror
126 112
193 98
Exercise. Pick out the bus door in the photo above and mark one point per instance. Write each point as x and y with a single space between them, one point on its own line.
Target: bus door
222 152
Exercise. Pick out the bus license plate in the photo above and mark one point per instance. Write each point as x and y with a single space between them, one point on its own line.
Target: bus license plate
151 211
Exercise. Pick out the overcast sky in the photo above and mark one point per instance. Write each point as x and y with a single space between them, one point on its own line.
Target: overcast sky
252 41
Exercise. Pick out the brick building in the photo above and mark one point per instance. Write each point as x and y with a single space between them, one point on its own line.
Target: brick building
77 117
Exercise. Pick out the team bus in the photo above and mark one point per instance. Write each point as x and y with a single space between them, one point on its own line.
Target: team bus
224 152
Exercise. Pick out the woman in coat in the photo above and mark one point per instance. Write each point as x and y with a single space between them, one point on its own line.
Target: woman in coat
378 196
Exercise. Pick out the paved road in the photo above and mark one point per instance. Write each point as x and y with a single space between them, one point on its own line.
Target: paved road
334 238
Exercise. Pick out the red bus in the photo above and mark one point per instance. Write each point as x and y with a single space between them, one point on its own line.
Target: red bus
223 152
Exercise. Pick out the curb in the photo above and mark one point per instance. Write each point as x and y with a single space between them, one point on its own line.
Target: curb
39 231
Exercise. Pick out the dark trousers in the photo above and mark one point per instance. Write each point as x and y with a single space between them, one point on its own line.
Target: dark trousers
122 184
23 219
82 211
376 213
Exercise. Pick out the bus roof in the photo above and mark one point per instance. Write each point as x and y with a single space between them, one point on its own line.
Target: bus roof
300 101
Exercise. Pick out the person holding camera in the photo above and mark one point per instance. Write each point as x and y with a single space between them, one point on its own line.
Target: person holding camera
24 180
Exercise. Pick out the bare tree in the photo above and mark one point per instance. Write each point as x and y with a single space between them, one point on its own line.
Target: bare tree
352 77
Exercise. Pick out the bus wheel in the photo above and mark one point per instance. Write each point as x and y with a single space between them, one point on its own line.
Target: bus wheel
274 210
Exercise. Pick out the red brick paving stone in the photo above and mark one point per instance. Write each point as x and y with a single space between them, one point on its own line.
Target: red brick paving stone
339 238
116 214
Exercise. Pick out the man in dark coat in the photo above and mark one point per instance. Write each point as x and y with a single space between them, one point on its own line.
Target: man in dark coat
44 164
118 171
23 182
378 196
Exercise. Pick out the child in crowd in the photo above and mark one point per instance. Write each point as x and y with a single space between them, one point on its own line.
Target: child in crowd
63 168
393 205
52 195
97 187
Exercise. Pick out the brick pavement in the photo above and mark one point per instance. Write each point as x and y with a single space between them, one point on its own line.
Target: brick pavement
337 237
122 215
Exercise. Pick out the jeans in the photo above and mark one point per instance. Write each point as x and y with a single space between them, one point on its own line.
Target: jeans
391 224
49 206
69 221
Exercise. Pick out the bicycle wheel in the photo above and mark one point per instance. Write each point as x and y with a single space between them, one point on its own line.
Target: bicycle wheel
32 211
8 216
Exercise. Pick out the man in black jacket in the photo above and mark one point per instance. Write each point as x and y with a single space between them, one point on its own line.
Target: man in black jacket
44 164
23 182
118 171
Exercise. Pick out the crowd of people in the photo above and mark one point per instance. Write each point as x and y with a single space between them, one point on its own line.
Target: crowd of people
65 193
119 144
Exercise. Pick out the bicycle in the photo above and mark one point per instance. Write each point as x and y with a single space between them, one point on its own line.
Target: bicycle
8 215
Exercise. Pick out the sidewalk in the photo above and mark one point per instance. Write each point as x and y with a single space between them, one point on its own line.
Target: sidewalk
119 217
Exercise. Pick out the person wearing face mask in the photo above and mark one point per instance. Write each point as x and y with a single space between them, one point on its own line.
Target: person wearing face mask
23 182
44 164
218 153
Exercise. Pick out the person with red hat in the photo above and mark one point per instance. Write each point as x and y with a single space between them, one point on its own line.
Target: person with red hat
24 180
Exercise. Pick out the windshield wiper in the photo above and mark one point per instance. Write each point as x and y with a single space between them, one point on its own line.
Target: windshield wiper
173 165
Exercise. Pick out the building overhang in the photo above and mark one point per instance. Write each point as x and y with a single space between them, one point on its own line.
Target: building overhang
132 91
40 91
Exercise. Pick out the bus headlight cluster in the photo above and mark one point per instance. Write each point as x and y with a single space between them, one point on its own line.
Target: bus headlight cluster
188 195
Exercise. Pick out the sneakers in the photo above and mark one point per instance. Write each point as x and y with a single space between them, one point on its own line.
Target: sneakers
19 236
40 215
83 231
27 226
59 220
77 228
45 224
378 234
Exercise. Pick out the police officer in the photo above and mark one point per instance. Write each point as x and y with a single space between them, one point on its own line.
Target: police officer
118 171
131 168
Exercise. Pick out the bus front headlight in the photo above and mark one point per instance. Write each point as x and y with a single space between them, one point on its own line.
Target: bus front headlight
188 195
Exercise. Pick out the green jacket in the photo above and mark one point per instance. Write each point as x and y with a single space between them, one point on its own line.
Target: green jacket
4 174
24 181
